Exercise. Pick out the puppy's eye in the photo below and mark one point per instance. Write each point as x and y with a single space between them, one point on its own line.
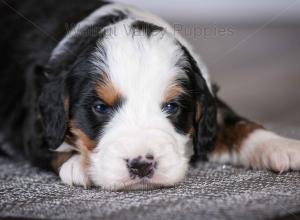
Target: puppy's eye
170 108
101 107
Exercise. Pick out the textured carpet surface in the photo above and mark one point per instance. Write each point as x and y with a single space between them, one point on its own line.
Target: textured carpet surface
210 191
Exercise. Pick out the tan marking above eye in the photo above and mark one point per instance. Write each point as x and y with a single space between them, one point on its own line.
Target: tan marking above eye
172 92
107 91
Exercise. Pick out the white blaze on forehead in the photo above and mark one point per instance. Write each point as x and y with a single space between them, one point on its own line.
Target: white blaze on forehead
146 16
132 13
139 66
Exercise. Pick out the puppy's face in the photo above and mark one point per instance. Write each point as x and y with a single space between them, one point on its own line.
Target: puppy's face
133 108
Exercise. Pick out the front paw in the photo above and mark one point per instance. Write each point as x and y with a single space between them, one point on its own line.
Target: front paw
273 152
72 172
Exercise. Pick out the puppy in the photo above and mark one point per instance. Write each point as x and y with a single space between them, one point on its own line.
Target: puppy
107 94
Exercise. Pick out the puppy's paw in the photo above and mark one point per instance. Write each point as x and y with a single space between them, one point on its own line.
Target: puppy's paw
266 150
72 172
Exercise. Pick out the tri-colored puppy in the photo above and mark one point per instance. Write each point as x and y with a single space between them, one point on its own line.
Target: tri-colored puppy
120 101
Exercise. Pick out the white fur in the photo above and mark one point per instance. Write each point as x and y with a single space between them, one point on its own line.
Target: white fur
267 150
72 172
139 14
65 147
264 150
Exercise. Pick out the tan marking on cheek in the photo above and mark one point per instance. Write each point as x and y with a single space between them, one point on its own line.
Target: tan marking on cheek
82 141
173 92
86 158
86 145
77 134
107 91
85 140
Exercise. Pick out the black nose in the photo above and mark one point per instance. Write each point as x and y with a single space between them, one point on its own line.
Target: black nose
140 168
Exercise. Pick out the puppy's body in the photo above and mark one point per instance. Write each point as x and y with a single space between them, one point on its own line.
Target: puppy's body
119 101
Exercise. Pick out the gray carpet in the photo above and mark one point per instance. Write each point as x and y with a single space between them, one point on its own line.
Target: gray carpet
211 191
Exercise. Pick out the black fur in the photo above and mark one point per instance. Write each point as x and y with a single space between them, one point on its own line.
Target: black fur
32 111
184 118
82 80
146 28
206 127
82 40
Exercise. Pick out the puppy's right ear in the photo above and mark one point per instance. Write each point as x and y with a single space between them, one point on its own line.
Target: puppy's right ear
46 120
54 116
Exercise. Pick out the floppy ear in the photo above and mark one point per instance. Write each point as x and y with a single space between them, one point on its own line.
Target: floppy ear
205 120
52 111
46 121
205 117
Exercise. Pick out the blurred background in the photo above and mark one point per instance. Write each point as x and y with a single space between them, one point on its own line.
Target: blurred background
251 48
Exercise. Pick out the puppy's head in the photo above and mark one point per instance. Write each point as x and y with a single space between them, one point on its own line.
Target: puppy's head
134 104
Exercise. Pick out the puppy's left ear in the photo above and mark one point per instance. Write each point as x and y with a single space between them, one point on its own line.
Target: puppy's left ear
205 116
205 120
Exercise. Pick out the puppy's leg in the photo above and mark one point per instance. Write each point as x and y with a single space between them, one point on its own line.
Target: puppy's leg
72 172
242 142
71 167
